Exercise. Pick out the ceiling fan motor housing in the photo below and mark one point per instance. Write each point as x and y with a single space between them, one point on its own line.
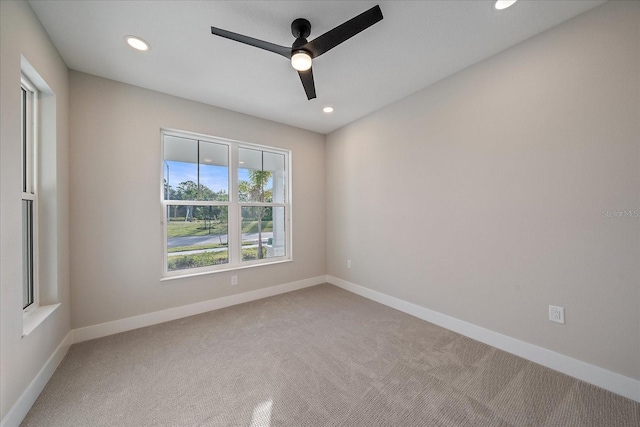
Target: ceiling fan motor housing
300 28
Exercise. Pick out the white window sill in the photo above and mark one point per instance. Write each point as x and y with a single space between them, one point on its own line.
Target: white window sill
32 320
182 274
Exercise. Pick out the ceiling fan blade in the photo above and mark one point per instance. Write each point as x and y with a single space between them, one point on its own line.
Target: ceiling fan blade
306 77
343 32
280 50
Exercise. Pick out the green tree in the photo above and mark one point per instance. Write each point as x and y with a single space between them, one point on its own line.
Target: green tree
254 191
187 190
169 192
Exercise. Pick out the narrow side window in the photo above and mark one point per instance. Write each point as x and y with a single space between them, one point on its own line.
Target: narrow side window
29 196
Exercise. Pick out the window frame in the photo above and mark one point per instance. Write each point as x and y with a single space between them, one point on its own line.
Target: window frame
29 173
234 208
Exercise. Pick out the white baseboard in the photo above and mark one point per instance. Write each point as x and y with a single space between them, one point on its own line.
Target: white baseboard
614 382
135 322
21 408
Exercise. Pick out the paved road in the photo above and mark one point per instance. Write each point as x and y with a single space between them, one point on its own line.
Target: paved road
212 239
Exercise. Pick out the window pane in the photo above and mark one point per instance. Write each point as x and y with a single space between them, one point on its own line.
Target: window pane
196 236
180 168
251 179
27 253
214 171
263 232
25 140
274 163
261 176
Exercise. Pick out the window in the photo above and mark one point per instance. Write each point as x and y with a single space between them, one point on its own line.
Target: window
29 197
226 204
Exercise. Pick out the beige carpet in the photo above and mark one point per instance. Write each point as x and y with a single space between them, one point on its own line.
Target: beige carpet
316 357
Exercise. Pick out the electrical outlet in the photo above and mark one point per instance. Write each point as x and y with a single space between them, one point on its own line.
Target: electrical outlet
556 314
234 280
348 263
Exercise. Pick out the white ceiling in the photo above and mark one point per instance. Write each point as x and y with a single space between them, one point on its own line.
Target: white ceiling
416 44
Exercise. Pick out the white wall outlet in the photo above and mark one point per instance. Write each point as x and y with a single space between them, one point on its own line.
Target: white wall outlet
556 314
234 280
348 263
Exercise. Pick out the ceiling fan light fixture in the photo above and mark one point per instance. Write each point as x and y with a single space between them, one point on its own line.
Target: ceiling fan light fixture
300 60
503 4
302 52
137 43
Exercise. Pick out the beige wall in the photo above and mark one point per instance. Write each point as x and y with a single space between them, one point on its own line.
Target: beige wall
116 235
22 358
482 196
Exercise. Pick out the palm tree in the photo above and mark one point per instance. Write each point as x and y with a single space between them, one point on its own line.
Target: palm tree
253 191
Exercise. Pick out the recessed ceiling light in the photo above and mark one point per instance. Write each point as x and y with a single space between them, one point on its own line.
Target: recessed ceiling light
503 4
328 109
137 43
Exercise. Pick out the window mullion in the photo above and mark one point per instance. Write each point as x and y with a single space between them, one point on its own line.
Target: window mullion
235 223
195 202
198 188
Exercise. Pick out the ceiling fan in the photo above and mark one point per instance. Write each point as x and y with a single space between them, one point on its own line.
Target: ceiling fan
302 52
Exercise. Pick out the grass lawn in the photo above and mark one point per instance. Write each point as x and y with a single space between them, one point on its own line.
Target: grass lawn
252 226
195 228
205 259
182 228
195 247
